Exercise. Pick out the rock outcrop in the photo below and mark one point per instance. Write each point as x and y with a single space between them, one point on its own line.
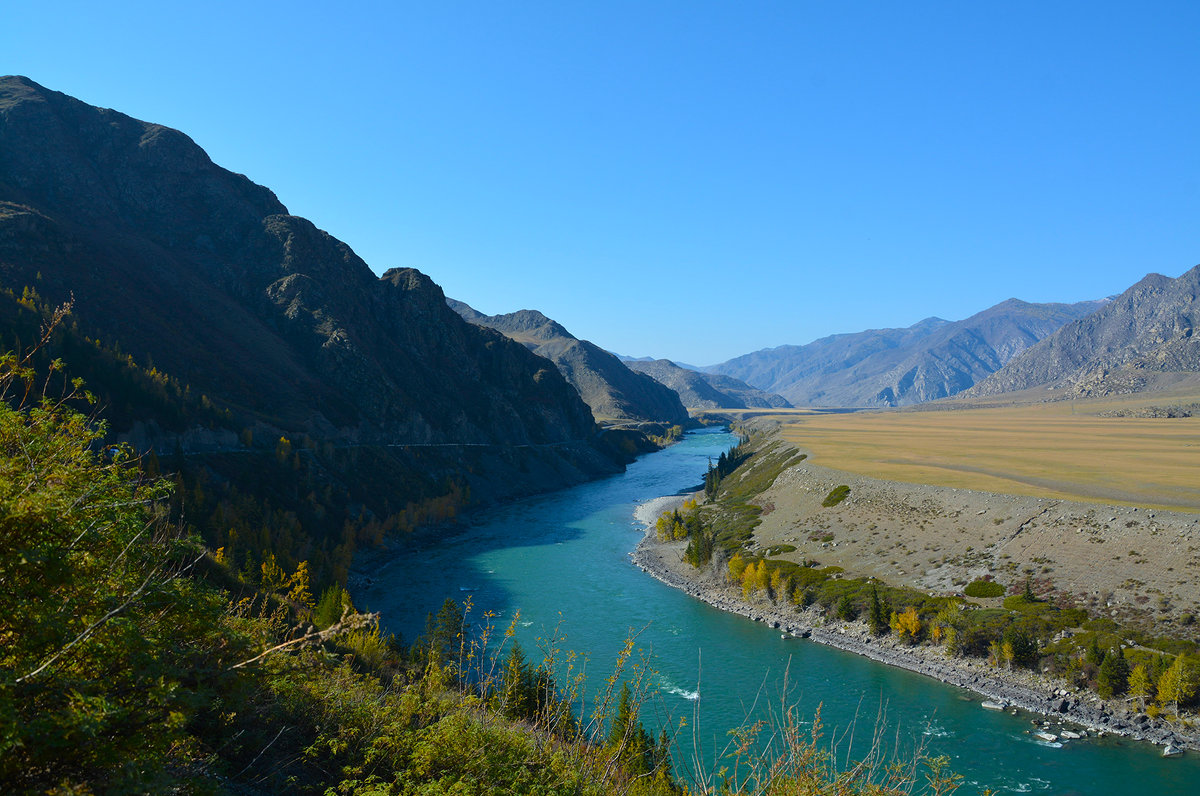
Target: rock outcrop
1128 346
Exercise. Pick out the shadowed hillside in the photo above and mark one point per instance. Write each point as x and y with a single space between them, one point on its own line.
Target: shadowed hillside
613 390
328 397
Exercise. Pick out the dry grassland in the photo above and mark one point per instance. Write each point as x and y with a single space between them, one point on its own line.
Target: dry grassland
1104 509
1055 450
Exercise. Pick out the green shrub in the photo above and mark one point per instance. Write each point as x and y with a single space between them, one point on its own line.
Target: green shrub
836 496
983 588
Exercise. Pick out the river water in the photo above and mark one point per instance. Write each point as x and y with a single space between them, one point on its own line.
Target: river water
562 561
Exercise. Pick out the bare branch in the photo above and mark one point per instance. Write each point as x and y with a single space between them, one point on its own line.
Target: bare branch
347 623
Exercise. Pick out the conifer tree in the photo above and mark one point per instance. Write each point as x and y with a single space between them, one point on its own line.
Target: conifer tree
876 616
1114 675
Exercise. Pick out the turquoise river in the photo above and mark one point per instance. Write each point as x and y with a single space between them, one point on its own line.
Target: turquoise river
562 561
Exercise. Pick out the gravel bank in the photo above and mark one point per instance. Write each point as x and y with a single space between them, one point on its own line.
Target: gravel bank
1056 700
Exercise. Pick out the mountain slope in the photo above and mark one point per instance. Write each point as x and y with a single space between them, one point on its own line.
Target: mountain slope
706 390
612 390
196 272
896 367
1149 329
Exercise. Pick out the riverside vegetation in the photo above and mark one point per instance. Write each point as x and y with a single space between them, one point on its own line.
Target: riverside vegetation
1036 628
135 659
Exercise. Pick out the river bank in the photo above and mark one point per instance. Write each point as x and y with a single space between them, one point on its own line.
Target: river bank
1060 702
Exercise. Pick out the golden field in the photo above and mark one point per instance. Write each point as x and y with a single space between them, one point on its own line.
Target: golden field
1059 450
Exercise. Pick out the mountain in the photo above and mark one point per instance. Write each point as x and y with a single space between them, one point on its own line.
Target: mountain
676 362
932 359
608 386
706 390
1127 346
260 329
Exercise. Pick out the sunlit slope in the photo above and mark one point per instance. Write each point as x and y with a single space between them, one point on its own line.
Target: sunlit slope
1060 450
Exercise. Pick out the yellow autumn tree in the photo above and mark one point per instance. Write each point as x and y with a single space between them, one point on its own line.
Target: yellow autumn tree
1177 684
662 528
906 624
273 576
737 566
1141 685
777 584
299 588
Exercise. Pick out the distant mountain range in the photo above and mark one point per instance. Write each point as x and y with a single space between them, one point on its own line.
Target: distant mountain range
931 359
1133 343
612 390
675 362
707 390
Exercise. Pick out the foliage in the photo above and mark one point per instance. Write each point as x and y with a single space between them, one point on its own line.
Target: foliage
836 496
1178 683
726 463
906 625
687 523
1141 685
1037 628
1113 677
876 614
983 589
797 760
92 674
755 465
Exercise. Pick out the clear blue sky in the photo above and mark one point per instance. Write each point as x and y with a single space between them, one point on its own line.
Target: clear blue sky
694 180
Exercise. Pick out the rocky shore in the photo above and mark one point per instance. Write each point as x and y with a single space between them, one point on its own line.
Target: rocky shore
1058 701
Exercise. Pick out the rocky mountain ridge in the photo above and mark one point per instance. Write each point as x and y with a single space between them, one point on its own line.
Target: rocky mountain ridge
931 359
205 275
607 385
707 390
1128 345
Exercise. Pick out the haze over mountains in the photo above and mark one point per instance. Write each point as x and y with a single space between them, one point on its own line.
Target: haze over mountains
931 359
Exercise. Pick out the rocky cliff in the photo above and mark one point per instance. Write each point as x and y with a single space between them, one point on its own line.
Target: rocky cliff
1131 344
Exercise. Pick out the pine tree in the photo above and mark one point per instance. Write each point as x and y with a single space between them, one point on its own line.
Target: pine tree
518 694
845 608
628 738
1114 675
877 617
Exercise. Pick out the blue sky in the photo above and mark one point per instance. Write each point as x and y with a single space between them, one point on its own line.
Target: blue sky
691 180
